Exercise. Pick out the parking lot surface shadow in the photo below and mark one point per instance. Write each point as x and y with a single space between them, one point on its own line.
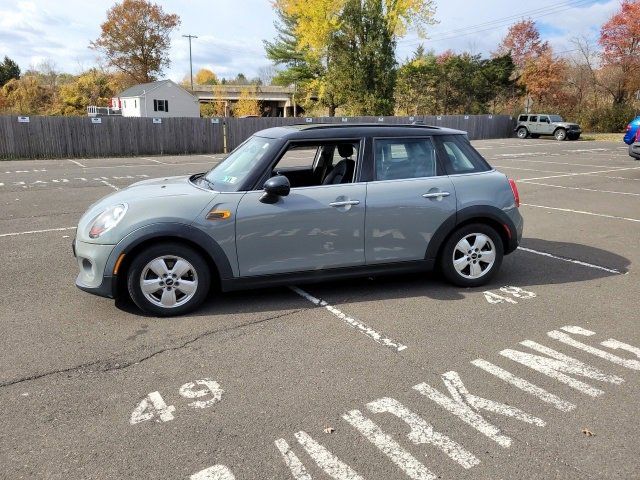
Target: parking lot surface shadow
519 268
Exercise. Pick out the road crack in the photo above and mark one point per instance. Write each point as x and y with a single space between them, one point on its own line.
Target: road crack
102 366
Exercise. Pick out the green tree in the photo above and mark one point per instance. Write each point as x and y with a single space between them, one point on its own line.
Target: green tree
8 70
454 83
347 47
417 84
364 62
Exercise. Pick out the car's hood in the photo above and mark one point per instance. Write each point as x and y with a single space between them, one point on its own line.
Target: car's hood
566 124
166 199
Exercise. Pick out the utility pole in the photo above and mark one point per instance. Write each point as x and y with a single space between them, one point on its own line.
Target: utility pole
190 60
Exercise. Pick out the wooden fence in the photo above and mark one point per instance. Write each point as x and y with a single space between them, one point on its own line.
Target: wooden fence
80 137
83 137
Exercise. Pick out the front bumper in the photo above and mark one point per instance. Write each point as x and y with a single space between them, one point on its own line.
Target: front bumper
634 150
92 277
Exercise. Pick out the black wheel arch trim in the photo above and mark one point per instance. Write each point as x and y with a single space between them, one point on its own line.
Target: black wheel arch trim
471 213
176 230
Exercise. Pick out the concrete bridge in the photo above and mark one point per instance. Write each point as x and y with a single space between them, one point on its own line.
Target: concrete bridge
276 101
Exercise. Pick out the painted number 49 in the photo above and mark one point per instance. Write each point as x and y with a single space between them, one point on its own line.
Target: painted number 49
153 406
516 292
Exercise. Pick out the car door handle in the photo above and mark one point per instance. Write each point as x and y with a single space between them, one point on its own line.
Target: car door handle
345 203
436 194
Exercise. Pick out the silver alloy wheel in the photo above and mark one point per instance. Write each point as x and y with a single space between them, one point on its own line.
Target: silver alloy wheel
168 281
560 134
522 133
474 256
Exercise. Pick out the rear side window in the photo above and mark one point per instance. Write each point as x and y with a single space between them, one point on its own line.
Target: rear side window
398 158
459 156
533 118
523 118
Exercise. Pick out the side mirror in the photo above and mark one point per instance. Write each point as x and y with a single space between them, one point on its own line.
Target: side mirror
274 188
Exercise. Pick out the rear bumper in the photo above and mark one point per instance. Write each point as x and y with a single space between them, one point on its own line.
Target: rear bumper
634 150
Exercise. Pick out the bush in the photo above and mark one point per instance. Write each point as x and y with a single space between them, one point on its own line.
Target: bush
612 118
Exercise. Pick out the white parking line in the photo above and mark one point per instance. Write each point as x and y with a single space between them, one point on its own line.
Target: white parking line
509 167
571 260
556 163
582 212
150 165
581 173
110 185
621 178
152 160
77 163
16 234
352 322
580 188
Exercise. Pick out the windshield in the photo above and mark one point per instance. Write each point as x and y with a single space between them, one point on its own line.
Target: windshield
556 118
234 169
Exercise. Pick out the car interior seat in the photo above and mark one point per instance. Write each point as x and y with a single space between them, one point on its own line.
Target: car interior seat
343 171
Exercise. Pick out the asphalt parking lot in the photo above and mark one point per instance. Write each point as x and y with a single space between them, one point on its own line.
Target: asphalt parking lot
378 378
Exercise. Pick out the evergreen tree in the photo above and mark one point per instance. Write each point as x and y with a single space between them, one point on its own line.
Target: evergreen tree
8 71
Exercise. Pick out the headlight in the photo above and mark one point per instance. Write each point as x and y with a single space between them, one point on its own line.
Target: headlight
107 220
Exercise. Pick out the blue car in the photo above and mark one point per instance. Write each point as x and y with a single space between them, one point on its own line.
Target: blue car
632 138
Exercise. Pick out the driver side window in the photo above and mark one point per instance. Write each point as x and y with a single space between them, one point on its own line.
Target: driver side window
309 165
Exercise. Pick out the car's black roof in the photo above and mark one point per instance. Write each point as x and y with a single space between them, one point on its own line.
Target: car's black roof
333 130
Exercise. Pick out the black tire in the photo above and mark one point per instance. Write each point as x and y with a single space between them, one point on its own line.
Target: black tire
200 273
522 133
446 259
535 135
560 134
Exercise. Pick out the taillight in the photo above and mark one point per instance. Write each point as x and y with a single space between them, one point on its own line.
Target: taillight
629 128
514 189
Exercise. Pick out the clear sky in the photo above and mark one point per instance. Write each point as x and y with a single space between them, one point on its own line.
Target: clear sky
231 31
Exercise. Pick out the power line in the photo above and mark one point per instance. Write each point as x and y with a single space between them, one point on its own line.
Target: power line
475 29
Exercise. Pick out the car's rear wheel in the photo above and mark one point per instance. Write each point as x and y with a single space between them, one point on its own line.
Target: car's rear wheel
560 134
168 279
472 255
522 133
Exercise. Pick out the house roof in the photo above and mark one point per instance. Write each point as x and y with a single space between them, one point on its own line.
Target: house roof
142 89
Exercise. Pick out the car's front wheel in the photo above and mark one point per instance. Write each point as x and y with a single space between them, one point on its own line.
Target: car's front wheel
560 134
168 279
472 255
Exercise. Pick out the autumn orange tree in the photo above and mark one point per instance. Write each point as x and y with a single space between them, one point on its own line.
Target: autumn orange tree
620 42
523 42
544 78
204 76
135 39
247 104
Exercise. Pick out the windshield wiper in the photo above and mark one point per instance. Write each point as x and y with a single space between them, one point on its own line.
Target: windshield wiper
207 181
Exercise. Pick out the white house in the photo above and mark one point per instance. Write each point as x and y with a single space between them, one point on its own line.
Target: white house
156 99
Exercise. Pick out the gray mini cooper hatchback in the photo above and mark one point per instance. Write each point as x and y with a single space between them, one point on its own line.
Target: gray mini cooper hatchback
303 203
